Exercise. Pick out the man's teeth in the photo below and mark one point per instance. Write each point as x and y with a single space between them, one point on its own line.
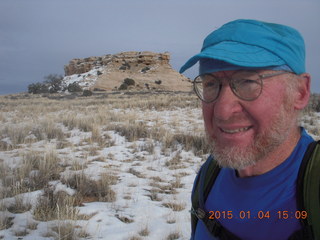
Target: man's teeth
235 130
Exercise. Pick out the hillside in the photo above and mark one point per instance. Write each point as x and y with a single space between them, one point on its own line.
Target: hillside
148 70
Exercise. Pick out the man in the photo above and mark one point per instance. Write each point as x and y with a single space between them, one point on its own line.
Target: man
252 84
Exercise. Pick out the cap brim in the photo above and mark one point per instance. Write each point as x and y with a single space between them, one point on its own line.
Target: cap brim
238 54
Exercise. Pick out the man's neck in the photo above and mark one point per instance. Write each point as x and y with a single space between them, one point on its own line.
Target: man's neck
273 159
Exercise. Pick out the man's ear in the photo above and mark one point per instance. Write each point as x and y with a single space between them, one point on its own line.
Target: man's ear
303 91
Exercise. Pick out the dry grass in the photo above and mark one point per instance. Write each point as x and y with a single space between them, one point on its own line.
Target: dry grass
56 206
177 207
34 122
136 173
21 233
197 144
135 238
19 206
47 129
175 162
35 171
132 132
162 188
5 221
173 236
67 231
32 225
89 190
124 219
144 232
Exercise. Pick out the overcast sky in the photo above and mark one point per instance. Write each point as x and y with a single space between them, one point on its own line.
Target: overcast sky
38 37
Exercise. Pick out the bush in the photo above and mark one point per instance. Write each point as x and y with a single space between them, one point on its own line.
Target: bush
129 81
158 82
54 82
37 88
87 93
145 69
123 86
125 66
74 87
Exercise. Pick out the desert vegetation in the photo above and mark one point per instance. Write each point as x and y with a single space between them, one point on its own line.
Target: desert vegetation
106 166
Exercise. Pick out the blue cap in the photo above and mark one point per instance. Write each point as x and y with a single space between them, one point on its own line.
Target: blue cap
253 44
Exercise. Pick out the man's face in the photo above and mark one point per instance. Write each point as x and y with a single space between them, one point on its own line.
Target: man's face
243 132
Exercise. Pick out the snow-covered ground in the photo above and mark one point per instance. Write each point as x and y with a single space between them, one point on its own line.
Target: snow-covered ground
85 80
151 193
137 144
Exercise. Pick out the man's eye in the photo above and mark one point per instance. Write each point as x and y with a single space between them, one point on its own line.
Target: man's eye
210 84
245 82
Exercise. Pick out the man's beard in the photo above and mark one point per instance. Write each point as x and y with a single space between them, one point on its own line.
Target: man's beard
263 144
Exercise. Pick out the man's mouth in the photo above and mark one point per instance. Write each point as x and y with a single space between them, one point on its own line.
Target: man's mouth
237 130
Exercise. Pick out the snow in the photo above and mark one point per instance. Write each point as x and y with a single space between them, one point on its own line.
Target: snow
138 171
85 80
126 160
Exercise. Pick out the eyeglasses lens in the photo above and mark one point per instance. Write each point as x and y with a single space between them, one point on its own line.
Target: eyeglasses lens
245 84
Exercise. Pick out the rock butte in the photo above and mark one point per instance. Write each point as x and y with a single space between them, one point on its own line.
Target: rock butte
148 70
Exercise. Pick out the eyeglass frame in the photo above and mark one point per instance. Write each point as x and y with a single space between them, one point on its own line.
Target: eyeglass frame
261 77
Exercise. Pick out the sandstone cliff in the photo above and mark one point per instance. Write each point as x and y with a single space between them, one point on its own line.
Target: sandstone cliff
148 70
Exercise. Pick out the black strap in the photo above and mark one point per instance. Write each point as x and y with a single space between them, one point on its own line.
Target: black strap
214 227
304 234
301 175
306 231
205 185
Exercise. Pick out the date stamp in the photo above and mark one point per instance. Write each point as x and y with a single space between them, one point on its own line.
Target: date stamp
258 215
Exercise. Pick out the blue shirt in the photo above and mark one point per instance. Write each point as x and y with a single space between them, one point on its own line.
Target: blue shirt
260 207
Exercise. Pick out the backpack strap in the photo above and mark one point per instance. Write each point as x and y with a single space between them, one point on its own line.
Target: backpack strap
204 182
308 191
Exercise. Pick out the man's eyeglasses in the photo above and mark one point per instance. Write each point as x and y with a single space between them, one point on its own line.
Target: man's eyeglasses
246 85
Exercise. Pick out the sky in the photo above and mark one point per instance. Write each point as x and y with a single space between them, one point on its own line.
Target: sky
39 37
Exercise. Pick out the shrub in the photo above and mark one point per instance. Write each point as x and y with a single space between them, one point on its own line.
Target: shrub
177 207
55 205
65 231
145 69
87 93
54 82
125 66
158 82
89 190
74 87
5 221
123 86
173 236
37 88
129 81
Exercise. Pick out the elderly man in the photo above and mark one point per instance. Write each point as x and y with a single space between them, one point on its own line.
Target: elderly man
252 84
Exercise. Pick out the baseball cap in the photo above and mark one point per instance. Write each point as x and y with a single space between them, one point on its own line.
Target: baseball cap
253 44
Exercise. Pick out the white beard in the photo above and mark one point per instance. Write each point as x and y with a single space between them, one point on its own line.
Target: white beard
264 143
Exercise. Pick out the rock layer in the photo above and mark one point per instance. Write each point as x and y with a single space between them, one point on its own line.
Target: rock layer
148 70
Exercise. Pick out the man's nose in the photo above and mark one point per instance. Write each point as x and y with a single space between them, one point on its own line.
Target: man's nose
227 104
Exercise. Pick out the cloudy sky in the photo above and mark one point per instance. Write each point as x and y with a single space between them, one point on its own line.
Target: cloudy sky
38 37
